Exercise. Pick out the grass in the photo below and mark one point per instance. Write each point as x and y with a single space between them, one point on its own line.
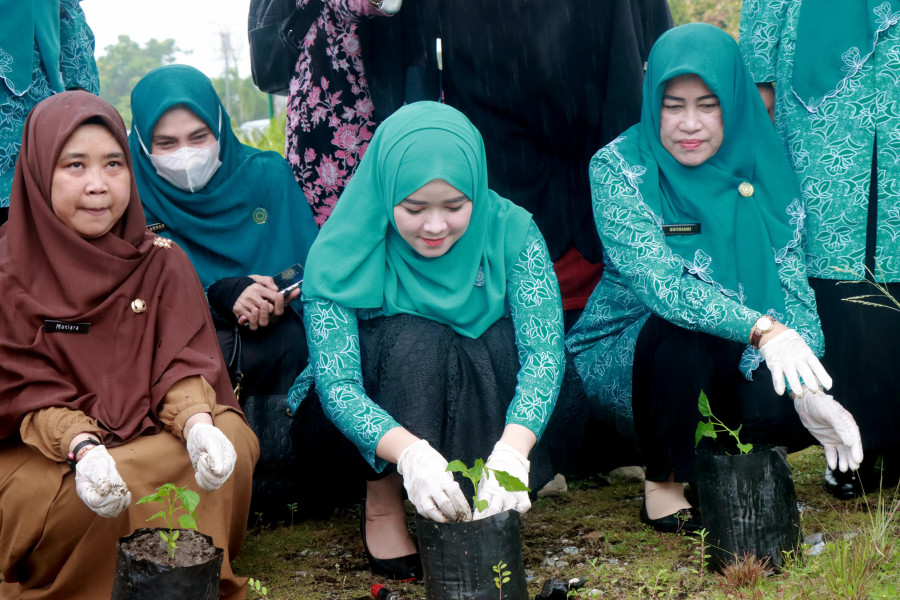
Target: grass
593 532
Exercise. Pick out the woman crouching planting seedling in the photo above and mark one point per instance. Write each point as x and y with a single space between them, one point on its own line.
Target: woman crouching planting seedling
463 559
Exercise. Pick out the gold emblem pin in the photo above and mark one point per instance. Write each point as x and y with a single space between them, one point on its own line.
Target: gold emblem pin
138 306
746 189
260 216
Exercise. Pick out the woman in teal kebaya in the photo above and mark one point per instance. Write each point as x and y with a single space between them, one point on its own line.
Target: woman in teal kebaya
704 286
435 328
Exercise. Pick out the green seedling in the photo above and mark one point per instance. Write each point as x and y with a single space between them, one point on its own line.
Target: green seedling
502 576
261 590
174 499
508 482
713 426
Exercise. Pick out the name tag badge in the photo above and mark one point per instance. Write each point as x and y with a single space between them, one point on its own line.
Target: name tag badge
681 229
51 326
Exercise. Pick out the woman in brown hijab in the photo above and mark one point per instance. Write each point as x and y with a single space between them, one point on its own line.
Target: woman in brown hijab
108 361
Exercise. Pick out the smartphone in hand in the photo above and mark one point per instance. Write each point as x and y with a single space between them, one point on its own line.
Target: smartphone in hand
289 279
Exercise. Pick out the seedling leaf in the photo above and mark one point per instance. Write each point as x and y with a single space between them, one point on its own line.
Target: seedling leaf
745 448
187 522
481 504
703 405
457 466
510 483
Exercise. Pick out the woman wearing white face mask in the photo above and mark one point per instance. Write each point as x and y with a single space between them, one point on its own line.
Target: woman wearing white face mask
237 213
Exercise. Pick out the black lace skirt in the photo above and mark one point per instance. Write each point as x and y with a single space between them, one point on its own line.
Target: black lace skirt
454 391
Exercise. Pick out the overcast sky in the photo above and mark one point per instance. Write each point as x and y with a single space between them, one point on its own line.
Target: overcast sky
194 24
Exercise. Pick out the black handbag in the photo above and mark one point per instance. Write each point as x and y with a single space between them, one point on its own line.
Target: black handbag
275 481
276 29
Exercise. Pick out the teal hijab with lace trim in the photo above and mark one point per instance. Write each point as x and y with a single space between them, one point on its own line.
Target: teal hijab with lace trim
360 260
834 40
26 22
741 236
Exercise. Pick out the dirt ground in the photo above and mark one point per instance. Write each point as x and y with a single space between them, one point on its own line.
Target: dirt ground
591 532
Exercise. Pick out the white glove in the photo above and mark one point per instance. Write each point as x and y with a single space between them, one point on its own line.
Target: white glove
212 456
429 486
833 426
503 458
788 356
391 7
99 485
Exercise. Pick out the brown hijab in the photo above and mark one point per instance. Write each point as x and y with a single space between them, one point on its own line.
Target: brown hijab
120 370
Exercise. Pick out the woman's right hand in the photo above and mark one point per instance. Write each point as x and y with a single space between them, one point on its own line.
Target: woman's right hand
99 485
430 487
789 357
260 304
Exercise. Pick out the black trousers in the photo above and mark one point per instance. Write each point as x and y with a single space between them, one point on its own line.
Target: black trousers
671 366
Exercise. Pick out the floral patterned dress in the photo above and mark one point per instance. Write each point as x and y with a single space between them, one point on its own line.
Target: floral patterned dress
78 70
329 112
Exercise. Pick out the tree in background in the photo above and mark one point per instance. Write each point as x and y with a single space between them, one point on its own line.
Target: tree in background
245 101
124 63
725 14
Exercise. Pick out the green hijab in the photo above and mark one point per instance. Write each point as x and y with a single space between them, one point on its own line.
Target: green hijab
251 218
24 23
359 259
740 236
834 40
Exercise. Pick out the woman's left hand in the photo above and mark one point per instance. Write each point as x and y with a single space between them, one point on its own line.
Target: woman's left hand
508 459
260 304
212 455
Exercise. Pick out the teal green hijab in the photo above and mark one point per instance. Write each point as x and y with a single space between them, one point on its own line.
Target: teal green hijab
24 23
360 261
740 236
829 29
252 216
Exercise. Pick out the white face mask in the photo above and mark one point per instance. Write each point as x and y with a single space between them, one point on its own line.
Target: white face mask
188 169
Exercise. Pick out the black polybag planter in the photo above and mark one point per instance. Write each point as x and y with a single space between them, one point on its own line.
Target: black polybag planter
458 558
141 579
748 505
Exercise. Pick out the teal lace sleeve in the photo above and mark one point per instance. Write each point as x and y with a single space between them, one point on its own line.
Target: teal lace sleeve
760 35
536 310
76 59
333 337
680 290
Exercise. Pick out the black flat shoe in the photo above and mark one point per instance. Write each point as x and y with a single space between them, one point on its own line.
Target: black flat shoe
843 485
685 520
402 568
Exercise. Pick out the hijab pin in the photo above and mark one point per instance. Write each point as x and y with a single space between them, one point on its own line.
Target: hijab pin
746 189
161 242
138 306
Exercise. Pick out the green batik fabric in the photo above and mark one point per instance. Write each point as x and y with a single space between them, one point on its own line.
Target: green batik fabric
535 307
642 276
77 69
830 144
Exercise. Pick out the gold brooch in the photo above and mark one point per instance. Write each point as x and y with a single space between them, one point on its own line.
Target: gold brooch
260 216
138 306
746 189
161 242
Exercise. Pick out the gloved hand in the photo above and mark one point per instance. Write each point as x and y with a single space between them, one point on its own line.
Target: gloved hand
833 426
429 486
503 458
788 356
99 485
212 456
391 7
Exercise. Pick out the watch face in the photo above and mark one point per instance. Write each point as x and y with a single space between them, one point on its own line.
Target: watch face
764 324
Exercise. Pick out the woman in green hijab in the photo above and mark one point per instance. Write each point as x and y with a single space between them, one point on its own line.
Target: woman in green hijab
241 218
835 67
435 329
705 283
